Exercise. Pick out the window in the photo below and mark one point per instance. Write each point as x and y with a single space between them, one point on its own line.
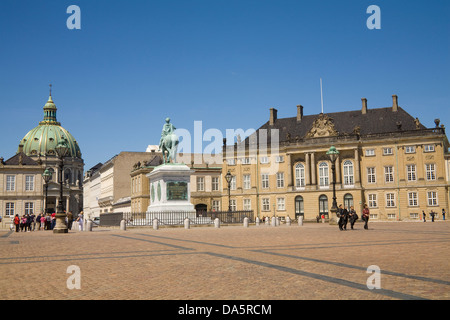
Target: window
299 206
233 204
265 204
410 149
264 160
430 171
390 200
412 199
279 159
372 200
9 209
246 160
387 151
231 162
280 179
281 204
265 180
432 198
348 201
348 173
391 216
247 204
29 183
29 206
10 183
323 174
216 205
370 152
371 175
215 183
428 148
233 183
388 174
323 205
299 175
411 172
201 184
246 181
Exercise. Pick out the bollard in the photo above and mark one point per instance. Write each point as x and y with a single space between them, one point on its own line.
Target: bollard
155 224
288 221
267 221
257 221
216 223
278 221
187 223
89 225
245 222
123 226
274 222
300 220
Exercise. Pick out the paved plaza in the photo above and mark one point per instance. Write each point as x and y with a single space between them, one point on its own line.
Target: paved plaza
313 261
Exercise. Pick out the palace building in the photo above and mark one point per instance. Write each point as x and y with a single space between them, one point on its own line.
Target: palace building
387 160
22 188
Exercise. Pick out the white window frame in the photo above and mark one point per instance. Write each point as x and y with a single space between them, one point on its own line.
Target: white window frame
281 204
9 209
371 175
10 182
428 148
411 174
247 204
413 199
29 183
215 183
280 179
29 207
216 205
388 151
388 174
372 200
265 204
265 180
370 152
432 198
390 200
200 183
410 149
324 177
299 175
430 169
349 179
247 181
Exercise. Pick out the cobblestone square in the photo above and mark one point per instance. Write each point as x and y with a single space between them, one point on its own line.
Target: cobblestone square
313 261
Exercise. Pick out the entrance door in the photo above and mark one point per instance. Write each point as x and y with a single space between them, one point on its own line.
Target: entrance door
299 211
201 209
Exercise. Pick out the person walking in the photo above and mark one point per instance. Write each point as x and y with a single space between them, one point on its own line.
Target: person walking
69 220
424 215
38 221
353 216
365 216
80 221
343 218
443 214
32 222
17 222
43 220
432 214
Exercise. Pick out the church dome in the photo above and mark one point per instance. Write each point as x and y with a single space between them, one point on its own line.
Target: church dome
42 140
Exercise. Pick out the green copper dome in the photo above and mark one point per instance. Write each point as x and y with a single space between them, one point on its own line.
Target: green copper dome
43 139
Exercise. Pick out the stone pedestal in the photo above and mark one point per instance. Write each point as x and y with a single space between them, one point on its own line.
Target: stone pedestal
170 197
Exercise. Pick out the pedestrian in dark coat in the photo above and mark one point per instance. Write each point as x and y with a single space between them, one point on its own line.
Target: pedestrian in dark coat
343 218
352 216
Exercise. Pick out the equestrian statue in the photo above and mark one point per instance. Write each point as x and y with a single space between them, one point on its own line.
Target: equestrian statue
168 142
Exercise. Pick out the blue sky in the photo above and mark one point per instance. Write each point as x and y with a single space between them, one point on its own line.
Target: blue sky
223 62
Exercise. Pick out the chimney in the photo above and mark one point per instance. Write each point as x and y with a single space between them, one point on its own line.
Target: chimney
299 113
273 116
20 148
394 103
364 106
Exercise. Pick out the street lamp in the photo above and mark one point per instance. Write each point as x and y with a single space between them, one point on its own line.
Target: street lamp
62 150
47 176
229 177
333 154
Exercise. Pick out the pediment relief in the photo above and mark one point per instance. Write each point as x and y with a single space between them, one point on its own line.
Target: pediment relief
323 126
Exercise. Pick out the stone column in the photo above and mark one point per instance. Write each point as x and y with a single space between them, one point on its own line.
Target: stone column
338 170
357 172
307 170
313 169
289 171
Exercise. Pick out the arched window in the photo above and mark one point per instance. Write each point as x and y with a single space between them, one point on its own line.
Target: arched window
299 207
323 206
348 173
348 201
324 180
299 175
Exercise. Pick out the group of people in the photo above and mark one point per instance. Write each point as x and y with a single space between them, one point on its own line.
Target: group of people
351 216
43 221
432 215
